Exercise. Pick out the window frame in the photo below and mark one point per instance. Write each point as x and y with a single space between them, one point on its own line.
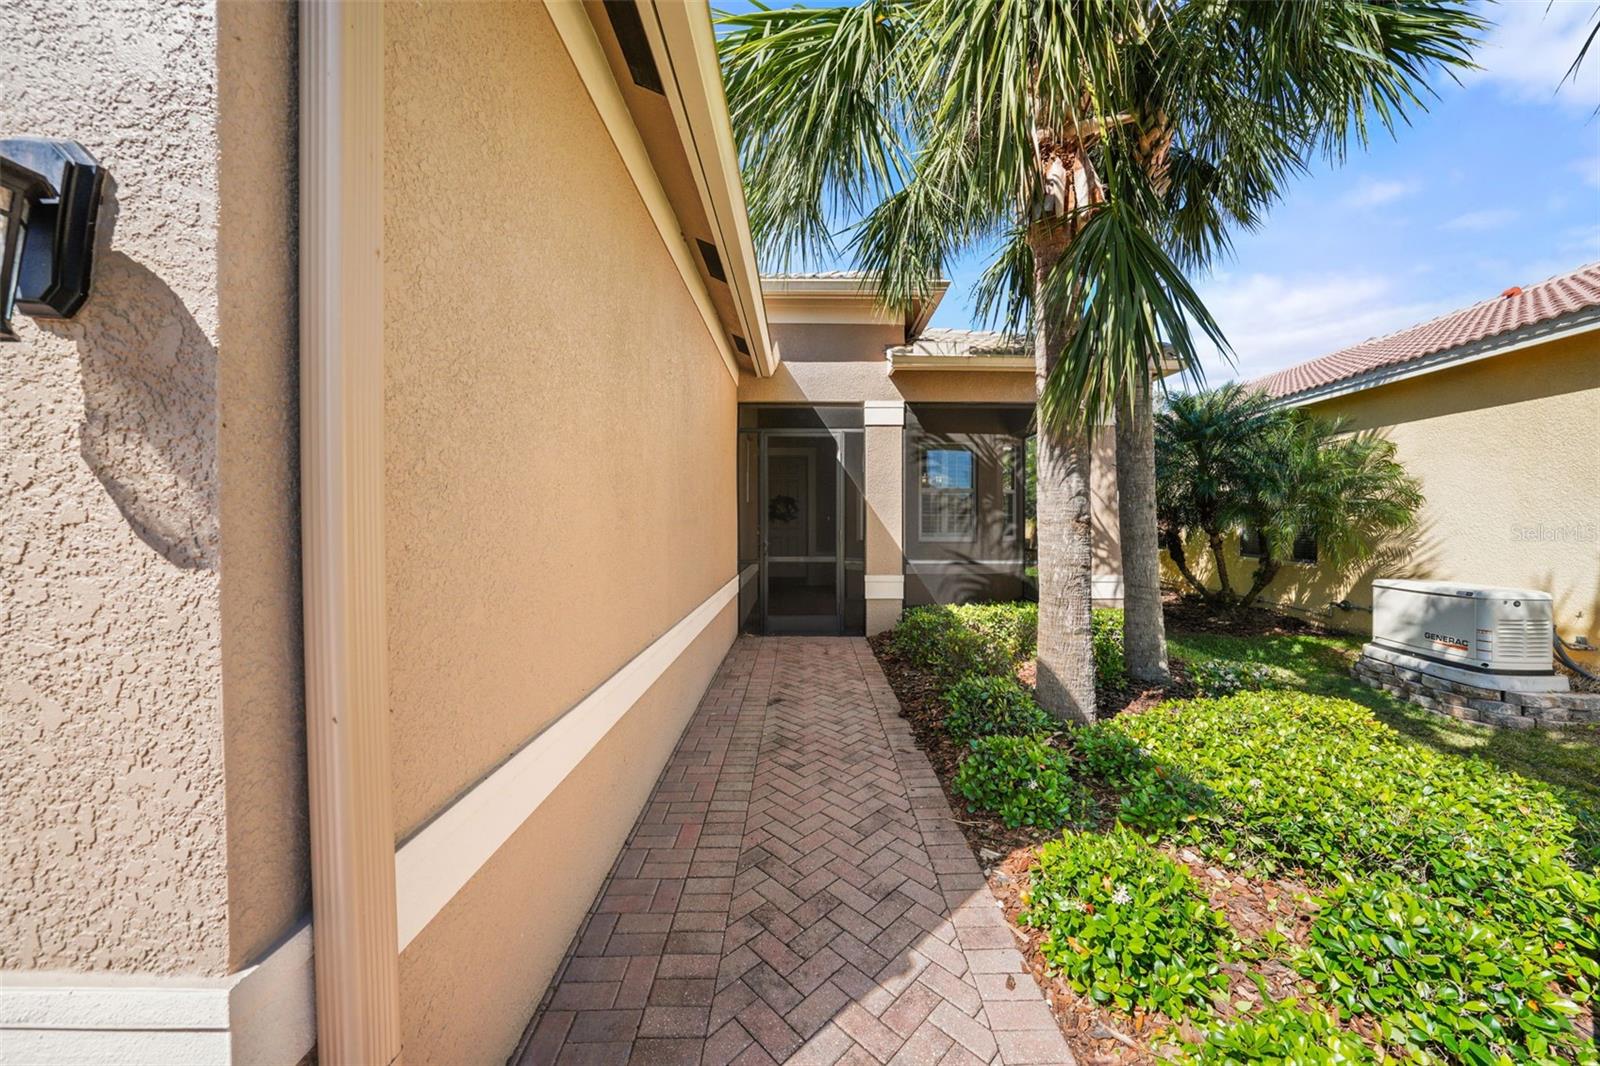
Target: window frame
1252 547
923 489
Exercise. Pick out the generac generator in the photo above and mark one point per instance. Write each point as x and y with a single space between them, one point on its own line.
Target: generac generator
1470 627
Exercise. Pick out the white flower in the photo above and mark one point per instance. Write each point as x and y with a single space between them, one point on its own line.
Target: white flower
1121 895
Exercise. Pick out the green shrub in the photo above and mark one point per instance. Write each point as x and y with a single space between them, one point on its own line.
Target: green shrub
1316 783
1224 677
1110 668
981 638
980 705
1024 780
1108 753
1435 980
1011 629
1125 924
1281 1033
934 639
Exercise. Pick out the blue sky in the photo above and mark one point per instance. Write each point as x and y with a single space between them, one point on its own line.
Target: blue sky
1498 184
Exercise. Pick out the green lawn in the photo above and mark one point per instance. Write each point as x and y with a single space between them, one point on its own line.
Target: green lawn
1321 664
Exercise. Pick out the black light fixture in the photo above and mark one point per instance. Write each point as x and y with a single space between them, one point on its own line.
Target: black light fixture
49 202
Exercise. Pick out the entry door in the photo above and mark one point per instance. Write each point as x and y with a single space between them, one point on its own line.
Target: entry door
802 493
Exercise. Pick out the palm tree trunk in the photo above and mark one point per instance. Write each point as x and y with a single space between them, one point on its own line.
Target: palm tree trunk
1143 632
1266 570
1173 539
1225 593
1065 675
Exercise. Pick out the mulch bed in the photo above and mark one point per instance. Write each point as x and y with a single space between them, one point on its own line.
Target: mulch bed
1099 1036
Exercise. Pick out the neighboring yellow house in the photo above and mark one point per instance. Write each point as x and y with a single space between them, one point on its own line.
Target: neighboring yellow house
1496 410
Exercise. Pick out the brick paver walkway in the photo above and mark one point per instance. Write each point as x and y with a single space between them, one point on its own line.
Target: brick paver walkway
795 891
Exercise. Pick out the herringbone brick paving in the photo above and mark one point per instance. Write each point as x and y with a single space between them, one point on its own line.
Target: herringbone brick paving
795 891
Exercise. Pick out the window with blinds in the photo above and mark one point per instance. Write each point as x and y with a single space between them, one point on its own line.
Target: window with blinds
948 494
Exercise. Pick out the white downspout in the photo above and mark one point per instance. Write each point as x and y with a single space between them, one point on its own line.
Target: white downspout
355 952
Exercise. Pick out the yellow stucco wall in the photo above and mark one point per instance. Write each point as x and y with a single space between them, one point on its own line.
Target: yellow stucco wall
1508 453
560 435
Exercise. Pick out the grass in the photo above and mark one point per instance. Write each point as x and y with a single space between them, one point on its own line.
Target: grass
1320 664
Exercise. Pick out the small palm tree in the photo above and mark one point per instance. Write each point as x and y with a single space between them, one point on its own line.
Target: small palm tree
1227 459
1209 461
1346 493
1102 145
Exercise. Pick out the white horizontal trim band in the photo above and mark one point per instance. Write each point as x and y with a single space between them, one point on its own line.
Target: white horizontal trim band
884 586
266 1014
433 865
883 413
965 562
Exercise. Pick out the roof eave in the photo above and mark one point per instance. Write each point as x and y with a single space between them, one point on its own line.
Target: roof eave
1011 364
1571 325
681 30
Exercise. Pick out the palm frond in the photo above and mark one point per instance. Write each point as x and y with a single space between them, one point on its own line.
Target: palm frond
1127 305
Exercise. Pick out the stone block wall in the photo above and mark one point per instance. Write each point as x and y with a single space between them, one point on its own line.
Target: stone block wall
1489 706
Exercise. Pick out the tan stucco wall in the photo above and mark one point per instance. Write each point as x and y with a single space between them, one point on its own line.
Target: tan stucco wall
471 980
1509 462
144 447
854 382
834 342
884 495
1105 534
560 485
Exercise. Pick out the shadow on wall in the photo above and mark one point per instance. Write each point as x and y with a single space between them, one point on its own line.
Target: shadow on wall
149 407
1310 590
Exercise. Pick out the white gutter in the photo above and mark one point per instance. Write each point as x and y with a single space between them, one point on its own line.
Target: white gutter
1573 325
962 363
355 947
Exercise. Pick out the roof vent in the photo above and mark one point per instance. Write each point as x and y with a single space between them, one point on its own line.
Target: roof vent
708 252
1515 290
629 28
740 345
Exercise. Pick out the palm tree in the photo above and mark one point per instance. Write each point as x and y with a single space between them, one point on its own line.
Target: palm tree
1227 459
1209 459
1346 493
1103 144
1144 637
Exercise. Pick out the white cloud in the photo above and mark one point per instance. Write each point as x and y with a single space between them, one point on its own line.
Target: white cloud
1481 221
1273 321
1588 167
1374 193
1531 46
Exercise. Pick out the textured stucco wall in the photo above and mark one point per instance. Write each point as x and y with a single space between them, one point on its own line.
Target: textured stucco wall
853 382
1509 462
113 814
884 496
1105 534
263 708
828 342
560 436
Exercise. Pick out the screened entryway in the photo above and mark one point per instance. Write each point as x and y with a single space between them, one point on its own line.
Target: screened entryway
968 531
802 520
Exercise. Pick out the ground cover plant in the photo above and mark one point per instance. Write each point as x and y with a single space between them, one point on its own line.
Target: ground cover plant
1126 924
1383 891
1023 781
982 705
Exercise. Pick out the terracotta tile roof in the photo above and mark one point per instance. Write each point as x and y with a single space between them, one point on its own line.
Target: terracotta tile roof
963 342
1515 309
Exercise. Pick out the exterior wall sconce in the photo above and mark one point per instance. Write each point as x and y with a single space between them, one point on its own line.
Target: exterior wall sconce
49 201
